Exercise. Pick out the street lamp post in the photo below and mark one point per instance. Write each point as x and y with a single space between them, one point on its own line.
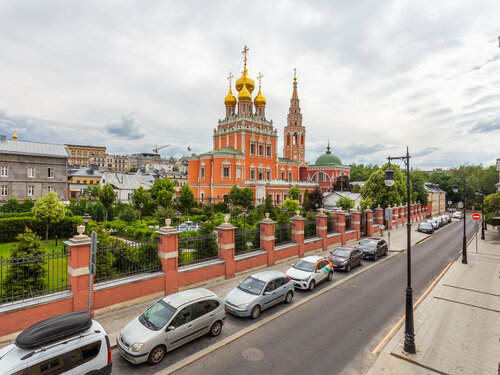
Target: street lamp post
482 212
178 216
464 239
409 341
141 205
244 212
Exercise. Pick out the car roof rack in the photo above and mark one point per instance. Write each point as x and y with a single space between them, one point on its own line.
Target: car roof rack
53 329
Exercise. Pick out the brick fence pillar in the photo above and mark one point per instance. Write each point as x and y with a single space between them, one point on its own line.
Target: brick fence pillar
412 214
321 228
369 222
168 252
402 214
379 215
78 270
339 221
267 238
225 233
298 233
356 223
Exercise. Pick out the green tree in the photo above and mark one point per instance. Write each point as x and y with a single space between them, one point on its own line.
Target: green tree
186 197
360 172
345 203
164 198
294 193
160 185
25 277
307 201
376 189
291 205
492 208
419 192
49 210
366 203
92 191
107 197
128 214
241 197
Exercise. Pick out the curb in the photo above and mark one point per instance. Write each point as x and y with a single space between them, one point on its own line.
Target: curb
194 357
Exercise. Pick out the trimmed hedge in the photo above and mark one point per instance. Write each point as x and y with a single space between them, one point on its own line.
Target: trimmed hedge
17 214
12 226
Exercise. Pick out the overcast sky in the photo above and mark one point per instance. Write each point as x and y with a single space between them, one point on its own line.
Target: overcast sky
373 76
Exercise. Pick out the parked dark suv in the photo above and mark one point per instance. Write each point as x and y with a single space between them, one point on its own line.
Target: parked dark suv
344 258
373 247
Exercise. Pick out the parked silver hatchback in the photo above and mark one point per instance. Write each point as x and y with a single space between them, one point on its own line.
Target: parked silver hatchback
169 323
258 292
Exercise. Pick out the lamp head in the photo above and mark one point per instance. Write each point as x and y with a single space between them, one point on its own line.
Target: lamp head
455 188
389 177
86 218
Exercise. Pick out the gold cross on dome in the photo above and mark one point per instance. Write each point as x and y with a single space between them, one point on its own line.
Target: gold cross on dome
294 74
259 77
229 78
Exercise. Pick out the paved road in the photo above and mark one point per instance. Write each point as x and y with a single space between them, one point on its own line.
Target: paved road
332 333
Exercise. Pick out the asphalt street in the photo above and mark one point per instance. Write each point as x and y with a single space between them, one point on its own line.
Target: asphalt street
333 333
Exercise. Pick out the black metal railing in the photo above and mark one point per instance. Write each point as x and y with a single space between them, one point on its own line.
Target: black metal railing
246 241
309 229
283 234
330 224
33 276
197 249
348 222
126 258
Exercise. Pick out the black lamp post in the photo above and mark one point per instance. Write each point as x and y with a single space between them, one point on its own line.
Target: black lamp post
178 216
244 212
409 342
482 212
464 240
141 205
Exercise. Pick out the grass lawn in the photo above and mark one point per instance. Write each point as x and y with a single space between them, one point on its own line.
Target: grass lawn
56 268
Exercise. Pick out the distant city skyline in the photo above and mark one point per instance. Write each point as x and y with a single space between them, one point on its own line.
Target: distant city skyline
373 78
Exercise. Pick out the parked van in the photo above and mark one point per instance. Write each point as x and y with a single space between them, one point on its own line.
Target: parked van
70 343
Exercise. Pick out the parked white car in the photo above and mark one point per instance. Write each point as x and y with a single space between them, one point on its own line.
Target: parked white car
310 271
70 343
457 215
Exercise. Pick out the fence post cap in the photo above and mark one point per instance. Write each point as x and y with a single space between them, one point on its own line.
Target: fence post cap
368 210
297 217
267 221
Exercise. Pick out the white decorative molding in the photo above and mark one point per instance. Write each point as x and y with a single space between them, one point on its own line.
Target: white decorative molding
75 272
169 255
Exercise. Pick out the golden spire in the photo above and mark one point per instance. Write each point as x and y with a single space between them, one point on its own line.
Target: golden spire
295 74
259 99
230 100
14 136
244 77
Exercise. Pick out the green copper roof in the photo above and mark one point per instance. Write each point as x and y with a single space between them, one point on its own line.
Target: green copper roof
328 158
224 150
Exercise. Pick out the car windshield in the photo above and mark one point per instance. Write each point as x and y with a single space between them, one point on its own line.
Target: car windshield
342 253
368 243
425 225
252 285
156 316
305 266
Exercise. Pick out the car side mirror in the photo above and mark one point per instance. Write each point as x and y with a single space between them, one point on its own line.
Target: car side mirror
293 264
170 328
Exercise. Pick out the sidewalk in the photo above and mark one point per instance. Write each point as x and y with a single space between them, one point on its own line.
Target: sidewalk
457 326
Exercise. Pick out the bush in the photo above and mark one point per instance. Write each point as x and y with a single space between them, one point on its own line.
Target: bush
18 214
11 227
128 214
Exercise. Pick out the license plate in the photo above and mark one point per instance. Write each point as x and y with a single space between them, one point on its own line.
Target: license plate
229 308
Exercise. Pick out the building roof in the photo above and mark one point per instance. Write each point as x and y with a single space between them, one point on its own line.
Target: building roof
330 198
123 181
84 172
433 188
34 148
224 150
328 159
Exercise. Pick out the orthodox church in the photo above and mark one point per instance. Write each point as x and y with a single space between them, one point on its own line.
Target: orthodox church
245 152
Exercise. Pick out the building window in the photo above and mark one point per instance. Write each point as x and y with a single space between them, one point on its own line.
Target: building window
31 172
282 175
238 173
226 171
252 148
268 175
202 196
252 174
290 176
261 150
277 199
50 188
225 198
268 151
202 172
31 190
4 171
3 190
50 172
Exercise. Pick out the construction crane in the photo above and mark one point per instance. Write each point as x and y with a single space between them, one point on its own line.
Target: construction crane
159 148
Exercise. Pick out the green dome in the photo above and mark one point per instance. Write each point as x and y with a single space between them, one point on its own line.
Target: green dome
328 159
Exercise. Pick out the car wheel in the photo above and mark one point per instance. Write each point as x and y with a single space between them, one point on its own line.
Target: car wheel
375 257
216 328
361 261
289 297
348 269
156 355
312 284
255 312
330 276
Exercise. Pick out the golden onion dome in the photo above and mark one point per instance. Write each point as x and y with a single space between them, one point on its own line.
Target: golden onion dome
14 136
230 100
250 84
259 99
244 95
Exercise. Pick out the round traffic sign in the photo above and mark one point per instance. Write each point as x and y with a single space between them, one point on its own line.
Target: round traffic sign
476 216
